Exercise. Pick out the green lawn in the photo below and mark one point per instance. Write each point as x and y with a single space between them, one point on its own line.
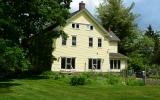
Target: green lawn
50 89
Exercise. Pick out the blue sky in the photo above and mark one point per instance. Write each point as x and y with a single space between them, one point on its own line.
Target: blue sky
147 9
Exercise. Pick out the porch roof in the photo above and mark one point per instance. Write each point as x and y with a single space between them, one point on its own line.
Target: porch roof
117 56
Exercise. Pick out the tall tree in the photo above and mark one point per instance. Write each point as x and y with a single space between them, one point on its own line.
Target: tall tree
120 19
150 32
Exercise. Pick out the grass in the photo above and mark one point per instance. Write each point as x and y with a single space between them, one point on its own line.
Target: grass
51 89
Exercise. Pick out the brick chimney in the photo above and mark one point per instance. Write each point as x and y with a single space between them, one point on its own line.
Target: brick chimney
81 5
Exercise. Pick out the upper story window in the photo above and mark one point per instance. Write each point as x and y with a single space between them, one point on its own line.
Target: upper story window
74 39
90 42
64 41
89 27
99 42
75 26
115 64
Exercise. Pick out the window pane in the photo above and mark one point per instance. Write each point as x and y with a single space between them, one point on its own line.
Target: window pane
68 60
90 63
74 40
111 64
115 64
63 62
90 42
119 64
99 42
99 64
77 25
94 61
91 27
64 41
73 63
73 25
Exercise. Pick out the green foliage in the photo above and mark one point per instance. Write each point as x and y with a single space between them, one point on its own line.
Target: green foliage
77 80
12 57
120 19
36 23
135 82
114 79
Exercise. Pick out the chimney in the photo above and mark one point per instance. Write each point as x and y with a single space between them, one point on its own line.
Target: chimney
81 5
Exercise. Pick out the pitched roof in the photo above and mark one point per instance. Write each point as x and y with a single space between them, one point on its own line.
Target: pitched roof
117 55
113 37
110 34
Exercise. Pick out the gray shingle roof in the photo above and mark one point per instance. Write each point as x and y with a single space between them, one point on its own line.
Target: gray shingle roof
113 37
117 55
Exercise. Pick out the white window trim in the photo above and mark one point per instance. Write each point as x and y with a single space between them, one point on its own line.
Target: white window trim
89 27
74 41
98 42
115 68
66 63
89 42
75 26
96 67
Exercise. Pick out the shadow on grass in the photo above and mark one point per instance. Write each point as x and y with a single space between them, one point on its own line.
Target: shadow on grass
36 77
5 85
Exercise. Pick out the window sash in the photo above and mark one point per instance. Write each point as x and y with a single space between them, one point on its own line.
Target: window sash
67 63
115 64
64 41
74 40
99 42
94 63
90 42
75 26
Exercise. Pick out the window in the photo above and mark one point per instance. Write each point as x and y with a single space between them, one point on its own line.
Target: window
115 64
75 26
90 42
64 41
74 40
94 63
89 27
99 42
67 63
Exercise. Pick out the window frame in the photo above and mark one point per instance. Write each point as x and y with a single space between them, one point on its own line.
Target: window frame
75 25
74 42
64 41
90 44
90 27
68 62
99 43
97 62
115 64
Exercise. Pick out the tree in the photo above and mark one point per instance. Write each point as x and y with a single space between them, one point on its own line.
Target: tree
31 22
120 19
150 32
12 57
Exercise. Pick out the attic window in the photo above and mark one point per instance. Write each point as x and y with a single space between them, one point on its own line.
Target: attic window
89 27
75 26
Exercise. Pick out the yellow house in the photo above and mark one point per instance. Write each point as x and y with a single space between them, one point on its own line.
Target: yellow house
89 47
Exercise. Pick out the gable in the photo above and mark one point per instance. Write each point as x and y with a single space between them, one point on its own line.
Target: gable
85 18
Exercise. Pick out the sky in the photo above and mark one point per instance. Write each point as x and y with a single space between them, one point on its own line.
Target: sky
147 9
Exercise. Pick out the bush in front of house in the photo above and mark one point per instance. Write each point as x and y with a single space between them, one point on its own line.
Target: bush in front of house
77 80
135 82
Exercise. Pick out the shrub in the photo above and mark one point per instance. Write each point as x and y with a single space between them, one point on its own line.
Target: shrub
114 80
135 82
12 57
77 80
